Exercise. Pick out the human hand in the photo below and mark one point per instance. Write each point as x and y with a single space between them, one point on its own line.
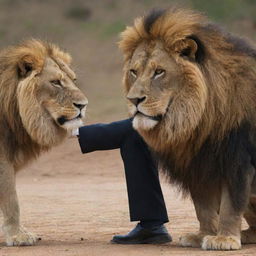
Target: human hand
74 133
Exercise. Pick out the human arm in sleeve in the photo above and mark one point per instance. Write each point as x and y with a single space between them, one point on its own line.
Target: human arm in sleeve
103 136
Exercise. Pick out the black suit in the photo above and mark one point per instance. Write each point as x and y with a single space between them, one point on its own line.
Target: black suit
145 195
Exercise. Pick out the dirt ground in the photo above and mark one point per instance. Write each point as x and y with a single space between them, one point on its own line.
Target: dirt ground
76 203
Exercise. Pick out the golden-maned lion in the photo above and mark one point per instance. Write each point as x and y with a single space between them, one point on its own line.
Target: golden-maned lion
191 90
39 103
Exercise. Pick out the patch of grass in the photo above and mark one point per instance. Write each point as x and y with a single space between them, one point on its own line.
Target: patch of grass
2 33
227 10
112 29
56 29
102 30
29 25
91 26
147 2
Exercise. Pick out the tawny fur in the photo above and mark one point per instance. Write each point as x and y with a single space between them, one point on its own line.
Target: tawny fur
203 127
18 144
221 112
31 103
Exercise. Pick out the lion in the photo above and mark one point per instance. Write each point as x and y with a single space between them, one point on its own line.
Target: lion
39 105
191 91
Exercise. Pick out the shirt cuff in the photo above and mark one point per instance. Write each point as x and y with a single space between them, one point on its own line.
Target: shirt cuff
75 132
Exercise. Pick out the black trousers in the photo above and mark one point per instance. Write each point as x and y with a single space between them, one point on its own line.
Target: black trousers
146 202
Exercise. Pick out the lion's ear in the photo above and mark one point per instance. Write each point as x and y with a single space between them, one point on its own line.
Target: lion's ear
26 65
191 48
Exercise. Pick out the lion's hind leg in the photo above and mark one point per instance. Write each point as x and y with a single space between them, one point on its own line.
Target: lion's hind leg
249 236
15 235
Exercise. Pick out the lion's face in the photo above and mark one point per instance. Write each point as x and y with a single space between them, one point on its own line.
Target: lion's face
164 89
152 81
50 103
59 95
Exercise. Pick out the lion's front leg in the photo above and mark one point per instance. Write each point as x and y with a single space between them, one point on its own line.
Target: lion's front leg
15 234
207 215
229 229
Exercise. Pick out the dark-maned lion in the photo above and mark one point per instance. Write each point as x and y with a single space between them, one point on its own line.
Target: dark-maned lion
39 103
191 91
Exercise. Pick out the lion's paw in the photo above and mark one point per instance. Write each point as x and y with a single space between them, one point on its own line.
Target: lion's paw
22 238
191 240
248 236
221 243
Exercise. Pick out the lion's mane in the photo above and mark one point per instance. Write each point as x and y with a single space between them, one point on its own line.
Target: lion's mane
204 152
16 144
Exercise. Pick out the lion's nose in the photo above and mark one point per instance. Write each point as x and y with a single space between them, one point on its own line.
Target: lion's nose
79 105
136 101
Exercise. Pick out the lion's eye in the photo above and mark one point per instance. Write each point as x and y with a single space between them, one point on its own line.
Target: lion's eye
158 73
133 72
56 82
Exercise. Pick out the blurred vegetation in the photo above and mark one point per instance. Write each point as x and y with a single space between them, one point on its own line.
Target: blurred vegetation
113 28
78 12
221 11
104 31
114 14
227 10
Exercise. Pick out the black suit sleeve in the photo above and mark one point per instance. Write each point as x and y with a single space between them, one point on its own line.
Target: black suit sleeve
103 136
145 196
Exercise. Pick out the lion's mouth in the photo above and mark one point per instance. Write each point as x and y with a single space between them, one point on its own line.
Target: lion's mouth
63 119
157 118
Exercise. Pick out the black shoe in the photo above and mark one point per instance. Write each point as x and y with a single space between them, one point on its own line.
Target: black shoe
140 235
